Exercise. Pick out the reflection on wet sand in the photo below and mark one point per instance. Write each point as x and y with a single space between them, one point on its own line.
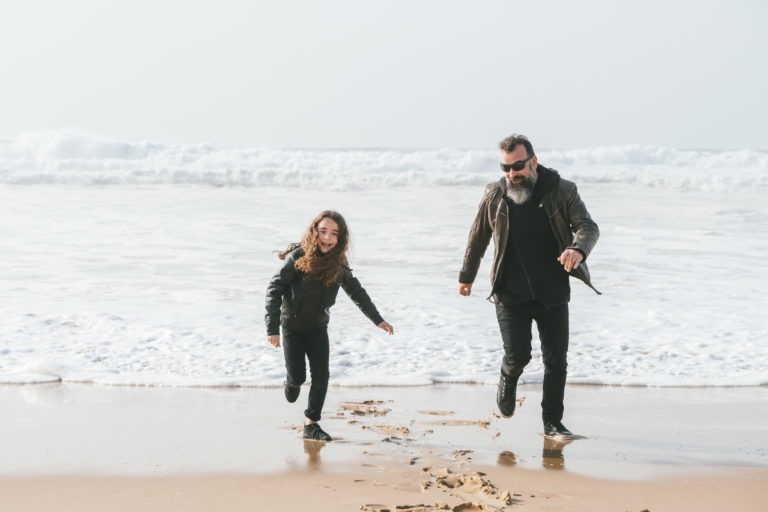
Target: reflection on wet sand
507 458
552 454
312 449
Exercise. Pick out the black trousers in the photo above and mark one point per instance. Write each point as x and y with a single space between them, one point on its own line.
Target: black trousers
515 323
298 346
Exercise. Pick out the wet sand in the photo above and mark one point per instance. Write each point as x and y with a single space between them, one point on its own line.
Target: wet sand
443 447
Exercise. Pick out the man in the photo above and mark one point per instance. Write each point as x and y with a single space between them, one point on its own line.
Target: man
542 233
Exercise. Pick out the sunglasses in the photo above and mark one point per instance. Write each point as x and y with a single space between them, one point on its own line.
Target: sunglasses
515 166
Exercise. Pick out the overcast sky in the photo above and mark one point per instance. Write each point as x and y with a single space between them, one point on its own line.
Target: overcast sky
356 73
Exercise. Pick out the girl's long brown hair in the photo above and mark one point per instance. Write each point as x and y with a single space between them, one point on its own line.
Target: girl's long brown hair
316 265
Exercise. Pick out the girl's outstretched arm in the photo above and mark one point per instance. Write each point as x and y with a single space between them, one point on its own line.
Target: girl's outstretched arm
387 327
360 297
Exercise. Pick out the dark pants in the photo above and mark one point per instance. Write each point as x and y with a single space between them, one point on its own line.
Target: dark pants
552 323
314 346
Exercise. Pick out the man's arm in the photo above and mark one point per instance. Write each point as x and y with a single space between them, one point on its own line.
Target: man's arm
585 230
477 242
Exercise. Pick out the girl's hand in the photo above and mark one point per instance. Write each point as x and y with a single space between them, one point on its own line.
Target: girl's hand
387 327
274 340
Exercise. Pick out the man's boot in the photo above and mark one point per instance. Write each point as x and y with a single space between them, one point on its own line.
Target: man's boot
506 395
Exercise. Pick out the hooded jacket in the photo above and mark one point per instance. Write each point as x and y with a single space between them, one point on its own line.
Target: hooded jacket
571 225
300 303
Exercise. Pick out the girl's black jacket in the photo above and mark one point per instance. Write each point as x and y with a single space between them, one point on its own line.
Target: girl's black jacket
302 304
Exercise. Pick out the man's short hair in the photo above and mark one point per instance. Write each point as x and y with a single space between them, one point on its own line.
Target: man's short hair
509 144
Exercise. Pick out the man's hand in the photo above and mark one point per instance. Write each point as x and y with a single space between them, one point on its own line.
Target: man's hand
570 259
387 327
274 340
465 289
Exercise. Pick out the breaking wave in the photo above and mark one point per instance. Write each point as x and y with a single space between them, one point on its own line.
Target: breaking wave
65 158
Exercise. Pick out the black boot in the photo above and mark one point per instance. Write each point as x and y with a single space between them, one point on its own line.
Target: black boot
506 395
314 432
556 429
291 392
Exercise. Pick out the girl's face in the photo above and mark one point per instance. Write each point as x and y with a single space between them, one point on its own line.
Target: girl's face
327 234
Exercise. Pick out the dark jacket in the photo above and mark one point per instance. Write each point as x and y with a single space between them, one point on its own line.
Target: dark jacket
568 217
302 304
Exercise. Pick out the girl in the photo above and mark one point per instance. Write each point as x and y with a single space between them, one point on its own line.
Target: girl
299 297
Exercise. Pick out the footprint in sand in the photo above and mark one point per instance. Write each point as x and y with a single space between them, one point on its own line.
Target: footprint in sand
464 485
365 408
437 507
466 423
415 508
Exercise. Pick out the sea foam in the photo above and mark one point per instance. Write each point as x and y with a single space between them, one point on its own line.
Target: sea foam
164 283
66 158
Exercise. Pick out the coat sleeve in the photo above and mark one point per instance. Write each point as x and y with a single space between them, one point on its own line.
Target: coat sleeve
278 286
479 237
585 230
359 296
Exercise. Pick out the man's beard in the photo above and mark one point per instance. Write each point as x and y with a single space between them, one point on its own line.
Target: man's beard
522 190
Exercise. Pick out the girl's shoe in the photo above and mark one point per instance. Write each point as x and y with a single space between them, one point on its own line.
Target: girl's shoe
315 433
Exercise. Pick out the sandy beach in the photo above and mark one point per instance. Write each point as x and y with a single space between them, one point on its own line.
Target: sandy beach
69 447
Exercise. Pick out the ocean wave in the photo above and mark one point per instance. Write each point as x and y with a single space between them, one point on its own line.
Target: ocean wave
66 158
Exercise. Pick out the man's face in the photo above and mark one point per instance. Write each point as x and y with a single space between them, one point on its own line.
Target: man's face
521 178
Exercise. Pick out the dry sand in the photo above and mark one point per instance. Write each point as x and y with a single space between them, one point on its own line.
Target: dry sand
86 448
